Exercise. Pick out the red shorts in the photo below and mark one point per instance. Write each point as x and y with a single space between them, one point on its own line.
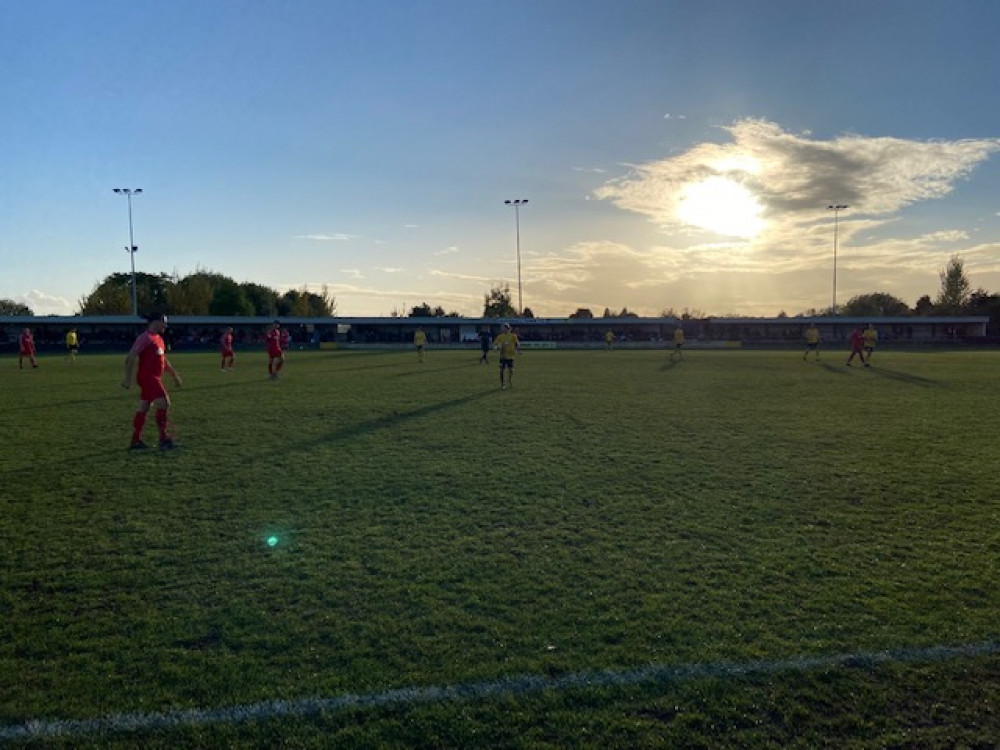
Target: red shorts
27 352
272 353
150 389
227 353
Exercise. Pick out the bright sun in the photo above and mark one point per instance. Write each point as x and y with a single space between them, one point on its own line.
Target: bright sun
721 206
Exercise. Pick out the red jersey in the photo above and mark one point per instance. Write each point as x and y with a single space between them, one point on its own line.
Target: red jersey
857 340
27 342
285 339
227 341
274 342
152 354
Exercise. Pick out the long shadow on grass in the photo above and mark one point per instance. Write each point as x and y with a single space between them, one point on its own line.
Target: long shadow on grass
395 419
841 370
905 377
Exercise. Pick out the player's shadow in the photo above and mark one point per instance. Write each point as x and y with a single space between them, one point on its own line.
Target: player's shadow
903 377
835 369
396 418
670 363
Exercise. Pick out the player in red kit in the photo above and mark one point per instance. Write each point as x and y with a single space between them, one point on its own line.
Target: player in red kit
275 356
857 346
150 353
228 355
27 349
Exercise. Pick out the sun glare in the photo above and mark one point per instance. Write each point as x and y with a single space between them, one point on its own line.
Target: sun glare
721 206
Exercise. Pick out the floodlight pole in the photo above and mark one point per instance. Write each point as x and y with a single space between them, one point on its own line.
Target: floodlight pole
836 208
131 249
517 203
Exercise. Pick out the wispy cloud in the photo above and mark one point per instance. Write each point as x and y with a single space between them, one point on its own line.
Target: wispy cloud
447 251
590 170
337 237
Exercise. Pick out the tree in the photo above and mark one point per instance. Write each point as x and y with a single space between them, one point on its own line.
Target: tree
527 313
263 299
497 304
582 313
113 296
874 305
924 306
955 287
230 299
302 303
10 307
192 295
422 311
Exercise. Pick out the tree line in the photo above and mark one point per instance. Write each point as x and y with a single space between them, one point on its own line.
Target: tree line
209 293
202 293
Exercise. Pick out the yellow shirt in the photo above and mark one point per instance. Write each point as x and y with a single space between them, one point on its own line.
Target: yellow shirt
870 336
679 336
71 339
420 338
812 335
507 343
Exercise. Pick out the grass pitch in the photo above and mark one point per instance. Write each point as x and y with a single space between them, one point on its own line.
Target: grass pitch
726 517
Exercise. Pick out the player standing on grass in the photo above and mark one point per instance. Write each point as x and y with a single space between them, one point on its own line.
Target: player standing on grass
870 336
485 341
420 341
72 345
226 344
150 352
857 346
508 344
275 356
609 340
812 341
26 344
678 351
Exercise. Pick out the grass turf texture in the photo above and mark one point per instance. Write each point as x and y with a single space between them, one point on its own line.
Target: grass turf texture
613 510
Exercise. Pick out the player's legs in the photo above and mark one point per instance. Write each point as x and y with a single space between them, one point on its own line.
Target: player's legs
138 421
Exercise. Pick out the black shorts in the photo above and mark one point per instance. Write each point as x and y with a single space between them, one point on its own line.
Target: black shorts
506 364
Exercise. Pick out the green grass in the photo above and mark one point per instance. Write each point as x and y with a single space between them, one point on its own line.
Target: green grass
610 512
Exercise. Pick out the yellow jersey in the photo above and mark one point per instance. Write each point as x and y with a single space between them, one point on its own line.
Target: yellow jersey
507 342
71 339
870 336
420 338
679 336
812 335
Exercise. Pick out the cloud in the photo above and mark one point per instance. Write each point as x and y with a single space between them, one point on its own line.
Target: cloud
338 237
42 303
447 251
794 177
590 170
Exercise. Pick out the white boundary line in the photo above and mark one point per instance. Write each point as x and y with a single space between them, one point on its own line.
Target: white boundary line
409 696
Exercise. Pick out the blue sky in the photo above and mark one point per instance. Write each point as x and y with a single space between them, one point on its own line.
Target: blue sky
675 154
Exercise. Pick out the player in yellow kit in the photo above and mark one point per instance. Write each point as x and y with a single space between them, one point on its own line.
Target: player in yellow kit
508 344
420 341
870 338
678 351
812 341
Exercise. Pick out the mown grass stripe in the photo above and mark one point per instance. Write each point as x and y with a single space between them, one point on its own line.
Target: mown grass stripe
519 685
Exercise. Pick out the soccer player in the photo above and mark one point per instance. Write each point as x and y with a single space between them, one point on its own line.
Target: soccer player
72 345
285 338
678 351
275 355
419 341
609 340
26 342
857 346
150 352
812 341
508 344
870 337
485 341
228 355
